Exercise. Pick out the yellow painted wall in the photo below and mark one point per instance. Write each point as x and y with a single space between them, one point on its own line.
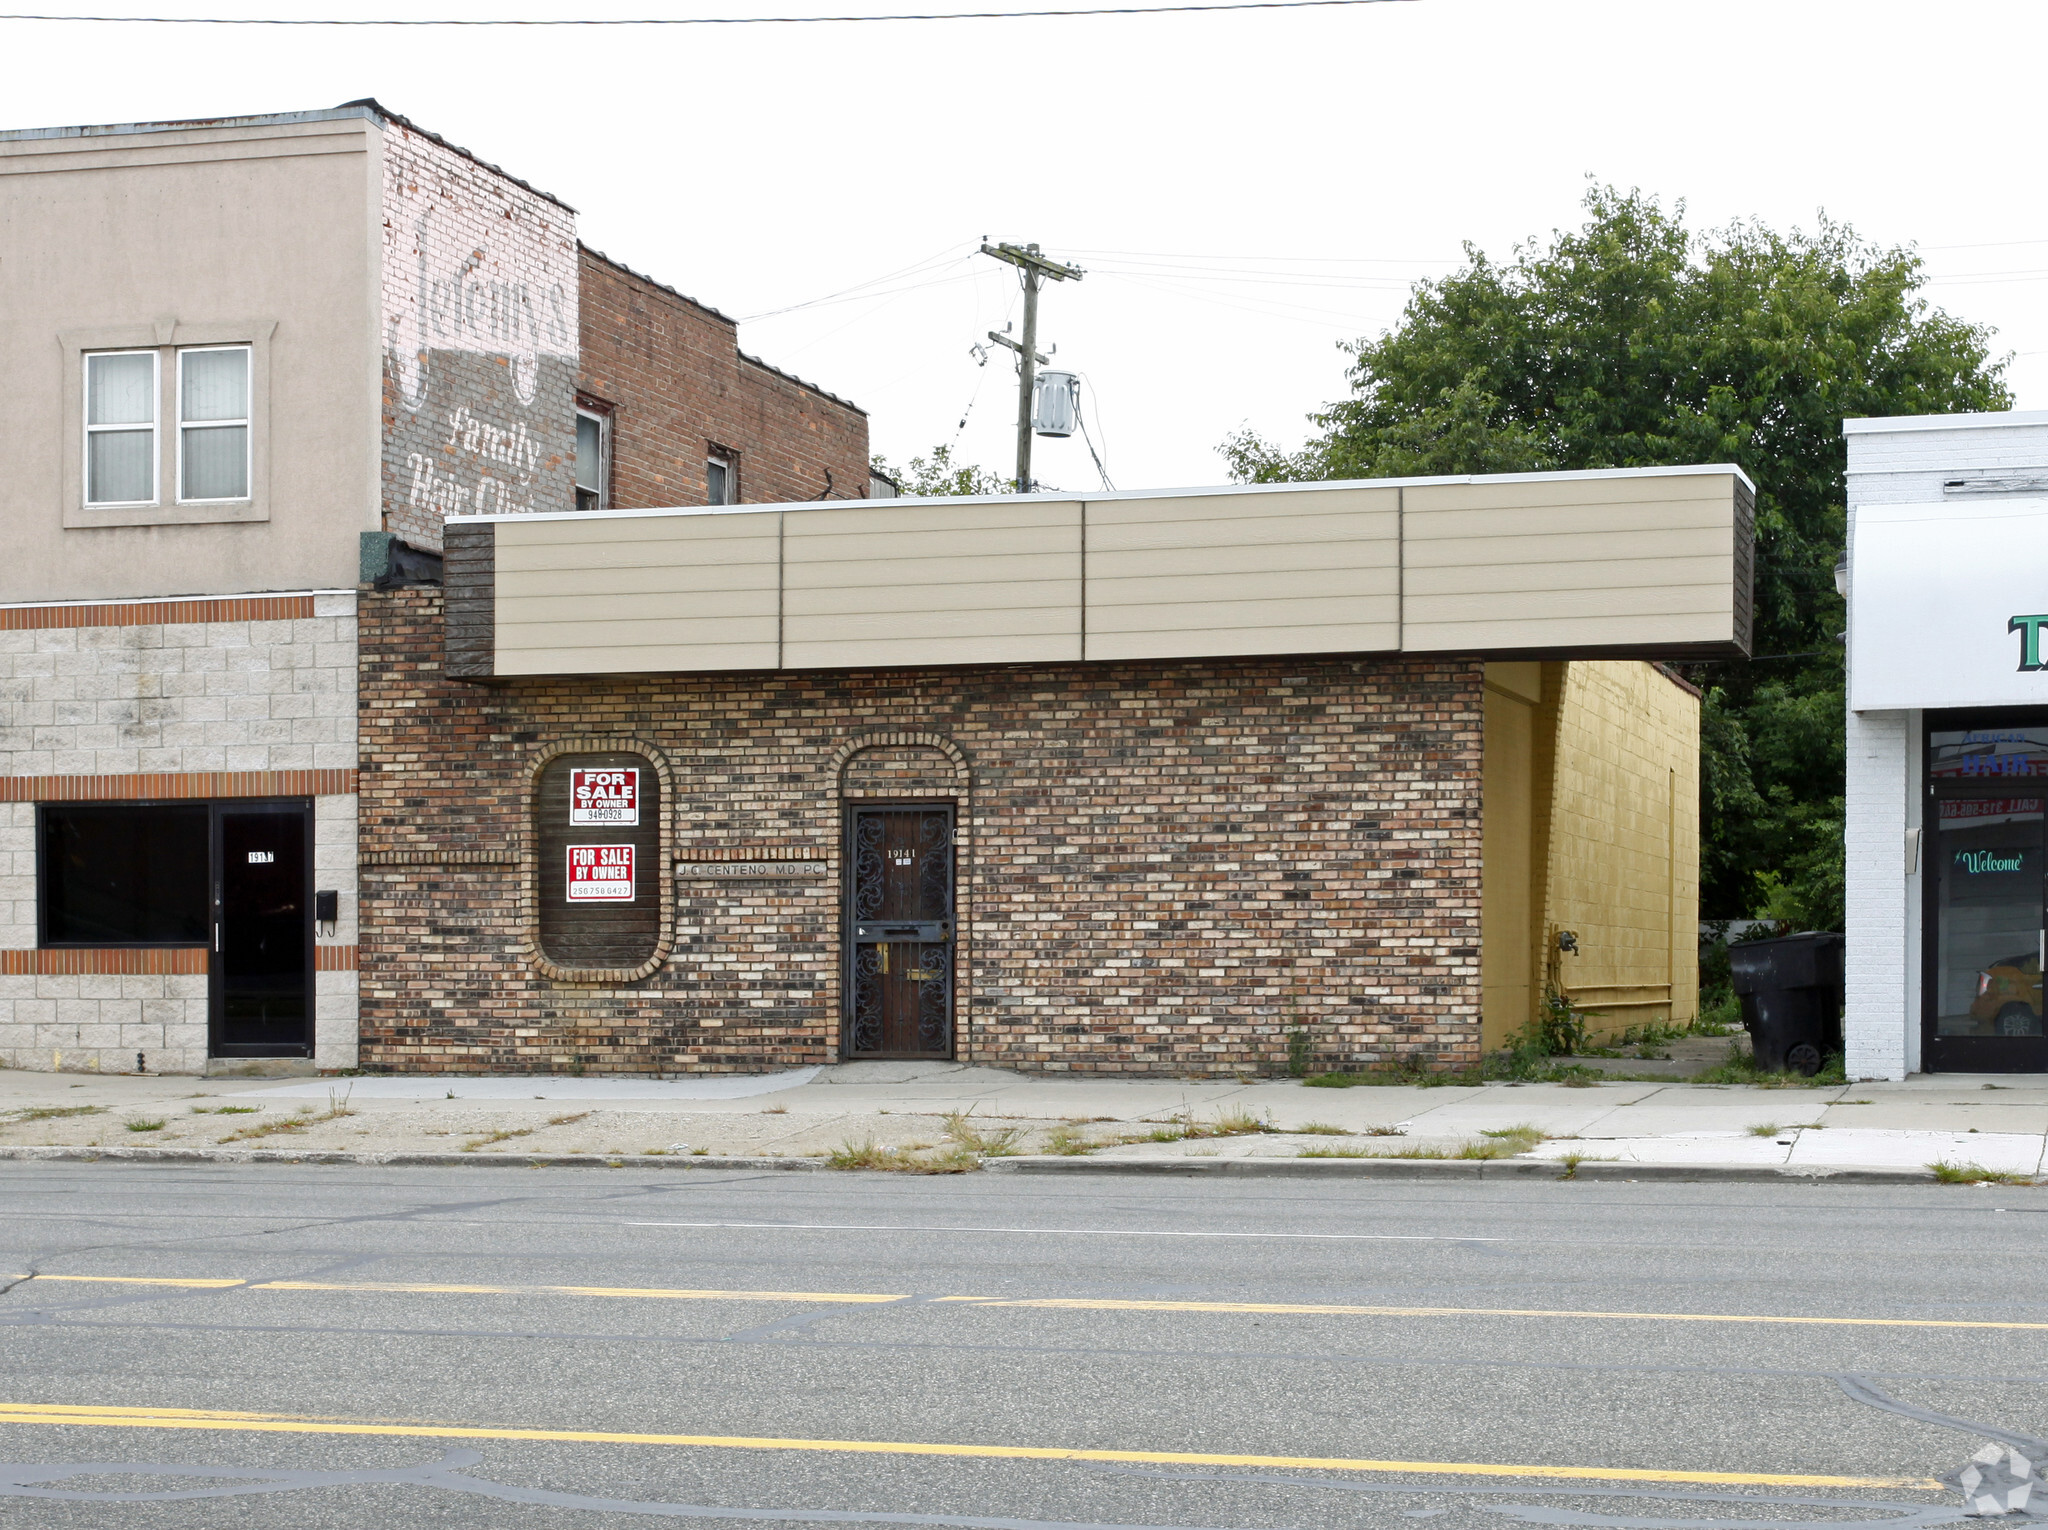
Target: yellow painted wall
1592 826
1507 952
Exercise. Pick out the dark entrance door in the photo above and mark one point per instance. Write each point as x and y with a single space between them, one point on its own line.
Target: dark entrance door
263 930
899 932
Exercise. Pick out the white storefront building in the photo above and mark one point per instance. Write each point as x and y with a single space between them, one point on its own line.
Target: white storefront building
1947 743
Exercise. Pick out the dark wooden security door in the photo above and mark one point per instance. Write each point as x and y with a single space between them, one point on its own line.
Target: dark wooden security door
899 934
262 964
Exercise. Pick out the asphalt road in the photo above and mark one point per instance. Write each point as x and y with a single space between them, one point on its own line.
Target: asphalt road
218 1347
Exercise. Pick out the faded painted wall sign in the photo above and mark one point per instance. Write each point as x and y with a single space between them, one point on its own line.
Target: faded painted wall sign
600 873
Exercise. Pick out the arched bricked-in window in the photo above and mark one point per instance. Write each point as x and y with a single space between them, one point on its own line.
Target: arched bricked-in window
600 883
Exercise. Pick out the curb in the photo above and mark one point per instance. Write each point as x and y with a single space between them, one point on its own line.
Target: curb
1413 1169
396 1160
1451 1168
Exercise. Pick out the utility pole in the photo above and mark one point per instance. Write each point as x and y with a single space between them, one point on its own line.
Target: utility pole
1037 270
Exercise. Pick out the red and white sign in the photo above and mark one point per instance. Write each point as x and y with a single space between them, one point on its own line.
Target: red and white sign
600 873
604 796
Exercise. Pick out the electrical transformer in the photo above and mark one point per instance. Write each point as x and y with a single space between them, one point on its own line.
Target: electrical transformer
1056 404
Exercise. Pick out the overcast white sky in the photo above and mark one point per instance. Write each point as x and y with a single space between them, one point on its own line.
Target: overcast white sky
1244 189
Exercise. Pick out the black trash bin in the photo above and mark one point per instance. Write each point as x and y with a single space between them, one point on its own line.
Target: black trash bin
1791 993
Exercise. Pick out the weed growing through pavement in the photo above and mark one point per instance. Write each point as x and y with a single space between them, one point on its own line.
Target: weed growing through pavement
1336 1152
1001 1143
869 1154
1741 1068
145 1124
566 1120
501 1135
1320 1129
53 1112
226 1110
775 1110
1974 1174
1519 1138
1065 1142
1768 1129
336 1109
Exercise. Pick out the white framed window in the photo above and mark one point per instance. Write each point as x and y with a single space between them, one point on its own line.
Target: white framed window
213 423
593 460
167 423
121 389
721 477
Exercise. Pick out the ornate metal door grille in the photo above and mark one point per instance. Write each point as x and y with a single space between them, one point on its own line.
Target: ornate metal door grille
899 932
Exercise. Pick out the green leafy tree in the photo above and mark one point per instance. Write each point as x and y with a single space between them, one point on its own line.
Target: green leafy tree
1633 341
939 474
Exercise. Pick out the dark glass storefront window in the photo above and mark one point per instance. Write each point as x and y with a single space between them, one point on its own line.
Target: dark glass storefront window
125 875
1987 753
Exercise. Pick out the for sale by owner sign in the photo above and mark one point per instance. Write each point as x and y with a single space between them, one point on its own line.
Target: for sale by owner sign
604 796
601 873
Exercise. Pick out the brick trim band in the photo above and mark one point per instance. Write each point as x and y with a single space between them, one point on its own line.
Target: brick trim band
108 960
334 958
434 857
157 613
175 784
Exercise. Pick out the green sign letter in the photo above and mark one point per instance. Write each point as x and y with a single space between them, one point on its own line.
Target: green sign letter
2029 629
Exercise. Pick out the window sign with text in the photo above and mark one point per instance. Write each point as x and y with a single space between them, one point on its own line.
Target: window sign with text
604 797
600 873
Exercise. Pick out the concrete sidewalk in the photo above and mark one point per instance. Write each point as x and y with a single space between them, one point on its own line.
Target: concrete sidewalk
911 1110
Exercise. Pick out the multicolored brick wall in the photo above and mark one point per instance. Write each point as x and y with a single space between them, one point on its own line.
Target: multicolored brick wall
1164 869
672 371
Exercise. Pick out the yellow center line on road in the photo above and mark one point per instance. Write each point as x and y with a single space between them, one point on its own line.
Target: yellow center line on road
110 1417
1055 1303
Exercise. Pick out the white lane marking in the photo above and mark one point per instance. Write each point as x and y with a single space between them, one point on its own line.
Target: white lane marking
1080 1232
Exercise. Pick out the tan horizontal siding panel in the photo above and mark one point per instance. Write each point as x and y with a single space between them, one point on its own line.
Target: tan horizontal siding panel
1659 515
880 518
1275 529
728 578
1514 494
595 531
821 557
1544 605
1593 631
675 628
1575 547
1265 558
605 609
1338 582
889 653
1608 574
1207 643
1192 509
907 601
642 558
637 659
941 624
1307 611
930 567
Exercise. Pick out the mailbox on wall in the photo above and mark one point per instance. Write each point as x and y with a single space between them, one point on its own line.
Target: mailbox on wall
597 823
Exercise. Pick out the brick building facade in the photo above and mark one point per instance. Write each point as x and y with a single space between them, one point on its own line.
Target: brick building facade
669 374
1163 867
395 333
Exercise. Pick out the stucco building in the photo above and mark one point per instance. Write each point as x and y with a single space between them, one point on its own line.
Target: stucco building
258 362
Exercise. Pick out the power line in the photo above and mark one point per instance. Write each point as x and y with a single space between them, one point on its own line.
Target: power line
695 21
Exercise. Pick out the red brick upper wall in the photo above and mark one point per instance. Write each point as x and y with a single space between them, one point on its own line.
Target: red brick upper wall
673 373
